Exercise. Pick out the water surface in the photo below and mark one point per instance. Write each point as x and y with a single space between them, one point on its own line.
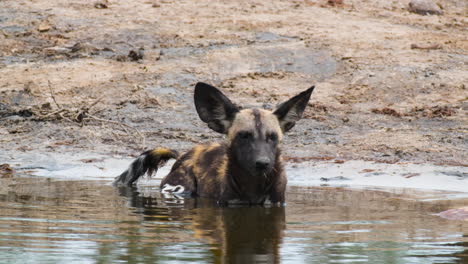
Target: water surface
45 220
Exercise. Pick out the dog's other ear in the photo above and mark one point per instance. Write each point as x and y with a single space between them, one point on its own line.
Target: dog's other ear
214 108
291 111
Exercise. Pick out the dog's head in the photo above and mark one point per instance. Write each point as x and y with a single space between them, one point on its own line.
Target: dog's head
254 134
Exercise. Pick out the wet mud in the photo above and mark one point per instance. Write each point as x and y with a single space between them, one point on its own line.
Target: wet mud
118 80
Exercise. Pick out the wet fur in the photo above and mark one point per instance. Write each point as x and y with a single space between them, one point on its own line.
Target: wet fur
212 171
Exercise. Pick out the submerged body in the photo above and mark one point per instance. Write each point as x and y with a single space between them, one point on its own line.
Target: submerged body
245 169
212 171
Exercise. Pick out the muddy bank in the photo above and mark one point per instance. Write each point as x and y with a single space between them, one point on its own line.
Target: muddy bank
117 80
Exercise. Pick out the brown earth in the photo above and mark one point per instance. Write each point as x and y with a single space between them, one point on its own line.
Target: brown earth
117 76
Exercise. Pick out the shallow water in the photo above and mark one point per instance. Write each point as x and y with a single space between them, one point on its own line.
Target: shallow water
45 220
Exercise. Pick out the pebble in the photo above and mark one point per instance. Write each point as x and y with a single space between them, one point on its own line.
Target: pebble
56 50
15 118
335 2
43 27
136 55
424 7
455 214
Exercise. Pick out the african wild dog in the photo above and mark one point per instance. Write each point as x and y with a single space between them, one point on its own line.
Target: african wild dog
245 169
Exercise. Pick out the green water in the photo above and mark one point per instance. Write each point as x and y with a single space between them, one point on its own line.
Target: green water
52 221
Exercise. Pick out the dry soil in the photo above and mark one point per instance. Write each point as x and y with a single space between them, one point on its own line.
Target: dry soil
117 76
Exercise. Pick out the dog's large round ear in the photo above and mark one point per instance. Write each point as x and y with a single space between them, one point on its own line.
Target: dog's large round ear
214 108
291 111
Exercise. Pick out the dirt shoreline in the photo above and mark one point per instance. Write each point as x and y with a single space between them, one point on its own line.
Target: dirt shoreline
78 77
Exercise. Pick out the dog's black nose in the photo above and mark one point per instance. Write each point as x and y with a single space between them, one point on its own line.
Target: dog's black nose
262 164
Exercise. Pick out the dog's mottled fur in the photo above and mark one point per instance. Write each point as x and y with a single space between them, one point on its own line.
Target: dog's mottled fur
247 168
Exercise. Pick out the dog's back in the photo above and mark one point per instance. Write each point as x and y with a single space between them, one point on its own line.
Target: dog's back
199 171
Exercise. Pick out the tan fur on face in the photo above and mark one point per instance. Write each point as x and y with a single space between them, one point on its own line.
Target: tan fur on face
245 121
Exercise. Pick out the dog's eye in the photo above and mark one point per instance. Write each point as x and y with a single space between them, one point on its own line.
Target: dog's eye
272 137
245 135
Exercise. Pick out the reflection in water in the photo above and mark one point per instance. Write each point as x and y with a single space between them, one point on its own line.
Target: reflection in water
235 235
46 221
244 235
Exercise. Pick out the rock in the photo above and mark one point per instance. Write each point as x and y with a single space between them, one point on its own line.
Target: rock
84 48
120 58
455 214
136 55
43 27
335 2
25 113
6 171
101 5
14 119
424 7
56 51
46 106
426 47
81 49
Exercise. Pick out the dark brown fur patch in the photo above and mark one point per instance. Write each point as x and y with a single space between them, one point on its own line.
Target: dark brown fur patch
258 122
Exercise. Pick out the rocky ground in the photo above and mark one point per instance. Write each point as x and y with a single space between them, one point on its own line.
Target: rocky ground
117 76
